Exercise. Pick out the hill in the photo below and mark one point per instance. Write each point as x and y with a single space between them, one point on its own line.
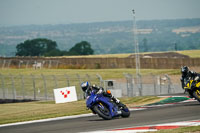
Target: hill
109 37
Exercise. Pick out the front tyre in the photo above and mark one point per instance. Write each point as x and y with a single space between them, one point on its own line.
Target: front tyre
196 94
125 112
102 111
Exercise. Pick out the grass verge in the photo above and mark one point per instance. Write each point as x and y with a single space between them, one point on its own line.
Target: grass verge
18 112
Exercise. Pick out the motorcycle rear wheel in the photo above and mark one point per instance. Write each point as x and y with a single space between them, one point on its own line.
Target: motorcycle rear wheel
196 94
102 112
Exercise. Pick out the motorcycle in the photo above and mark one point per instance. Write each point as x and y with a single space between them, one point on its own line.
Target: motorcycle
104 107
193 89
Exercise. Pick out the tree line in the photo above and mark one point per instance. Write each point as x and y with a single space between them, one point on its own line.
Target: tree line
46 47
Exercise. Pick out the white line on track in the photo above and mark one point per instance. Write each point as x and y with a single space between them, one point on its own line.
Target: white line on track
46 120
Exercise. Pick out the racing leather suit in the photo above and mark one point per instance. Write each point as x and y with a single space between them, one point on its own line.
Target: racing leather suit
100 90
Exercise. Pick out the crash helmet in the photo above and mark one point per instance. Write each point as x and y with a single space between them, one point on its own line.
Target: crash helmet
184 70
85 85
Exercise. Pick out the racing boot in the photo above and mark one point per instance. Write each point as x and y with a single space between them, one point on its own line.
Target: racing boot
117 101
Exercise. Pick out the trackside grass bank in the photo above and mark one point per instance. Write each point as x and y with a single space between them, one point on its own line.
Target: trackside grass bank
105 73
18 112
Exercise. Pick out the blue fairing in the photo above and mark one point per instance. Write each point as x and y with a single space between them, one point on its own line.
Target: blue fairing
91 100
99 98
126 110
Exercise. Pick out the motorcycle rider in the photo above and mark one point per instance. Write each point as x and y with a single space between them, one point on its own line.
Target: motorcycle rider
87 89
187 75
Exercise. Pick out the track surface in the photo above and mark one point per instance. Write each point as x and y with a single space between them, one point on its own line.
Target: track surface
166 114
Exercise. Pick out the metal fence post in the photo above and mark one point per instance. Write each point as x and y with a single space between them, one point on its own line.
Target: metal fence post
154 83
22 86
54 77
129 79
9 63
13 86
45 87
79 78
34 89
100 79
49 66
4 63
131 85
27 63
57 64
20 62
160 80
88 77
67 77
169 84
3 86
140 84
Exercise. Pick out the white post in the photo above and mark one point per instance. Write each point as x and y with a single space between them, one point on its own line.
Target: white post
137 56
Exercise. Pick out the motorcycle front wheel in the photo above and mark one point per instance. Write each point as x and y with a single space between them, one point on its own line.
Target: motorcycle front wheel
102 111
125 112
196 94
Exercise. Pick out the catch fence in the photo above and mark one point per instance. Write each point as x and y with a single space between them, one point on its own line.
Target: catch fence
138 85
40 87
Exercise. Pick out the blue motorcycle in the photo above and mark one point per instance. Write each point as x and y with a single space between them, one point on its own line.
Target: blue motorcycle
105 108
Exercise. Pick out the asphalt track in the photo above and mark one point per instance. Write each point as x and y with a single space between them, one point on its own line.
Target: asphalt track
164 114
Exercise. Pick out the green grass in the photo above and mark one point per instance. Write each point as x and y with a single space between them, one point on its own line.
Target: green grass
105 73
18 112
191 53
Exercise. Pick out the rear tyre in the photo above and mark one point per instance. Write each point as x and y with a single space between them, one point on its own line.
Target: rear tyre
102 111
196 94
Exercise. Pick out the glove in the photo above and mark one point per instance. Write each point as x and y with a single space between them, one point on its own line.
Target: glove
117 100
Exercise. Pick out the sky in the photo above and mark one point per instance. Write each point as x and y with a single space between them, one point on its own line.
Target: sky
26 12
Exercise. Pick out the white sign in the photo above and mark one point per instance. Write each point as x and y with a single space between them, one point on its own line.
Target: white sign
67 94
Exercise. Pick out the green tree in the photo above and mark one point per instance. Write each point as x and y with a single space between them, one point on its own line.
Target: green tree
82 48
54 52
36 47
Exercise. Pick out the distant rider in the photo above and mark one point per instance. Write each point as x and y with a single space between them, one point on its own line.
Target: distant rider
98 90
187 75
